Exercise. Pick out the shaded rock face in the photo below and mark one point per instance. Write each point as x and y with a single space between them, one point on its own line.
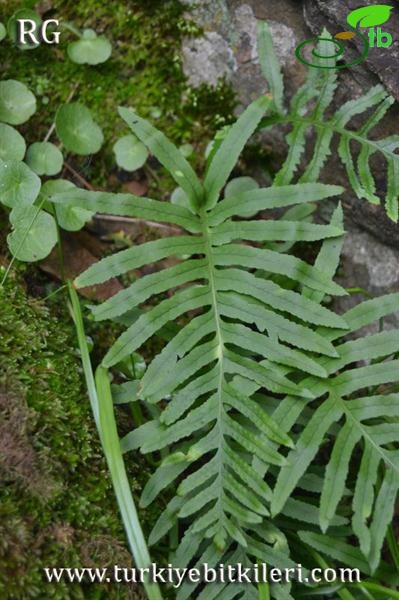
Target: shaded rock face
228 49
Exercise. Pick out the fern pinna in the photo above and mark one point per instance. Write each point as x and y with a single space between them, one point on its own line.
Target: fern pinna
255 380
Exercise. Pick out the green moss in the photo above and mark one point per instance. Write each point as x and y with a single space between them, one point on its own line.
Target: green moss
144 72
57 502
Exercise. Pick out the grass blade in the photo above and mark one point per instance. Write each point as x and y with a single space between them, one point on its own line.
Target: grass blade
99 391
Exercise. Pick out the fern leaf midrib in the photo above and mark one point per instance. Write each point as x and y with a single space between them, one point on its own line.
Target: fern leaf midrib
206 232
329 125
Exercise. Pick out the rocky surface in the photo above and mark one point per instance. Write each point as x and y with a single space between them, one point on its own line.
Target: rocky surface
371 266
380 261
228 46
228 49
208 58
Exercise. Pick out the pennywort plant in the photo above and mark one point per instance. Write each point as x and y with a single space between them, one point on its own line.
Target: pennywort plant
26 171
276 431
30 174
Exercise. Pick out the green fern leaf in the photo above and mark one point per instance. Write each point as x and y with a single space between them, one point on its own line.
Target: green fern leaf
248 203
136 257
383 513
128 205
337 472
254 380
230 149
336 549
328 258
269 64
309 118
306 449
167 154
150 322
363 499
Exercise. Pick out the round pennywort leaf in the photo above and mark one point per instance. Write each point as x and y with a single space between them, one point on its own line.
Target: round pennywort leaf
180 197
77 129
238 185
71 218
55 186
3 32
34 233
90 49
44 158
17 103
19 186
12 144
130 153
186 150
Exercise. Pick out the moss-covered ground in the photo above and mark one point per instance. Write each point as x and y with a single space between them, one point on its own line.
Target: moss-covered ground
144 71
56 499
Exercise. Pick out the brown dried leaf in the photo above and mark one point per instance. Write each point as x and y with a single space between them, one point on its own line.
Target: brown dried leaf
81 250
138 188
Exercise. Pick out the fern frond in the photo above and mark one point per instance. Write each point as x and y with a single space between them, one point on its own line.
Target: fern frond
230 149
308 116
207 414
167 154
255 377
364 419
336 549
328 258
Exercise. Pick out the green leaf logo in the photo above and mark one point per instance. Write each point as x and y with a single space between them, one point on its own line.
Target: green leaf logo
369 16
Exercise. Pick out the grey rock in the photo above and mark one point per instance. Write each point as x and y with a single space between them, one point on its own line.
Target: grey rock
211 15
373 219
228 47
380 262
371 266
207 59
